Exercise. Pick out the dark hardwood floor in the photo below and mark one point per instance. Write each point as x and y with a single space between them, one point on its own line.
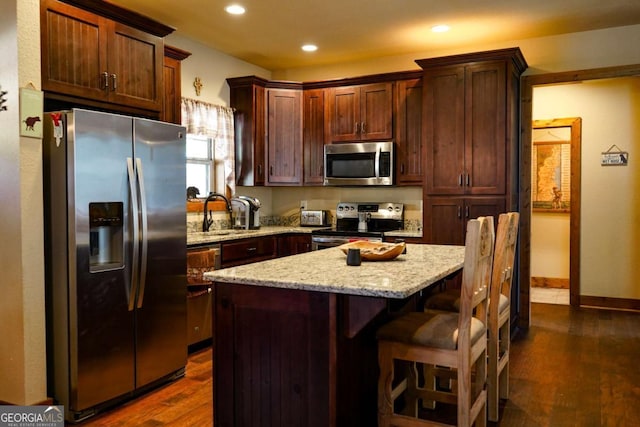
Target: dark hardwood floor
574 367
185 402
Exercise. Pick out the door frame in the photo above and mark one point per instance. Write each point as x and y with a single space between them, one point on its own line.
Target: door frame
526 111
575 123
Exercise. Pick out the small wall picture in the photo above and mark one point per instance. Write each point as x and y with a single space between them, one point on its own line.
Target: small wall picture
31 107
551 187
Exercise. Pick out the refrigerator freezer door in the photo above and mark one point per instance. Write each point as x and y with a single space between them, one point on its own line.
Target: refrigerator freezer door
161 342
101 326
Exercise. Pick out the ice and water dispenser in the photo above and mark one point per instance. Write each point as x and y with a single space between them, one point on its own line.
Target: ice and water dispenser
106 236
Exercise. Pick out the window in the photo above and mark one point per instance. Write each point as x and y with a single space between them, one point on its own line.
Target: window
210 147
200 163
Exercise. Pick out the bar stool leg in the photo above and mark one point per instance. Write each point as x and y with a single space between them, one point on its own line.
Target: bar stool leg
385 402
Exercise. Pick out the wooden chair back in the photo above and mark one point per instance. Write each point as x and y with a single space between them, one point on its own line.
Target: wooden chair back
476 274
504 258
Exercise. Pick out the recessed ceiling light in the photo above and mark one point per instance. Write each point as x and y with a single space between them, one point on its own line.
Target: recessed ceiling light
309 47
234 9
440 28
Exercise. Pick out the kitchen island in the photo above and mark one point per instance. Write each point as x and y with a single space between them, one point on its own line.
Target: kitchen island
294 337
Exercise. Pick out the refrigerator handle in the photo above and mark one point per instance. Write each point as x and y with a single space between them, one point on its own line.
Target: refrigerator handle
145 239
134 213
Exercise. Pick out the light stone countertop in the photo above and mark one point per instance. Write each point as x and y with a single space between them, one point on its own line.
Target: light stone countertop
403 233
327 271
217 236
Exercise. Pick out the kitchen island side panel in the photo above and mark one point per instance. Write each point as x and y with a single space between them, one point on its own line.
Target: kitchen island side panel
274 357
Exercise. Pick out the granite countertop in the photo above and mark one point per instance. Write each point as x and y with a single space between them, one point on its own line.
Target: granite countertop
404 233
217 236
327 271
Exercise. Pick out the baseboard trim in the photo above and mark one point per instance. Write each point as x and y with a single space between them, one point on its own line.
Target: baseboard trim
549 282
608 302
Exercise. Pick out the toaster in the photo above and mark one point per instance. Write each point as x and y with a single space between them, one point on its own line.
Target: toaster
245 212
314 218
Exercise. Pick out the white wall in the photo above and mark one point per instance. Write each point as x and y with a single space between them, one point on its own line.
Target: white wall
22 347
550 245
575 51
610 196
213 68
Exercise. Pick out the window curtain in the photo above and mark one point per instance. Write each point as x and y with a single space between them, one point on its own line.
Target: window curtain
214 121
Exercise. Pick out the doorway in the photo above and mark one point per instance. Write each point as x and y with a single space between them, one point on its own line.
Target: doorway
555 202
528 83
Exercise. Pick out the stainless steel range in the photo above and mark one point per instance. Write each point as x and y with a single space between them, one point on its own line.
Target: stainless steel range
359 221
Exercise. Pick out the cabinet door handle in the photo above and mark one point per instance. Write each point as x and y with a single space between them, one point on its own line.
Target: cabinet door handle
105 80
466 212
402 168
259 170
251 250
356 128
468 180
114 80
459 212
362 128
271 170
460 178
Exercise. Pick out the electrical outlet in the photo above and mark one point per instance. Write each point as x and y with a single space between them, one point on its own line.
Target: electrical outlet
303 204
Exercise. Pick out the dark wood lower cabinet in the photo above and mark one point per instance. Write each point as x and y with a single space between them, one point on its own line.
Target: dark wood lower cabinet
446 217
291 358
245 251
292 244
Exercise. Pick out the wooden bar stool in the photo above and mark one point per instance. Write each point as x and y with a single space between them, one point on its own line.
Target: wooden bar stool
455 341
499 325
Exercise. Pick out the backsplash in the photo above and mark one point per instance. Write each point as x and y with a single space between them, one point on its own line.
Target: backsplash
221 221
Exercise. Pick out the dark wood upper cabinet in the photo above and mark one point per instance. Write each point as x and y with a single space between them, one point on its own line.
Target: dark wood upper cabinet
268 131
361 112
171 110
465 129
470 136
90 57
470 127
284 136
247 97
408 127
314 135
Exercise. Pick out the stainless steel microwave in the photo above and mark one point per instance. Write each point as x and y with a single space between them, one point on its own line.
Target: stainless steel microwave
359 163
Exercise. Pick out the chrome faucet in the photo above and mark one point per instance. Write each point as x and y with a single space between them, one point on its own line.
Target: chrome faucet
207 221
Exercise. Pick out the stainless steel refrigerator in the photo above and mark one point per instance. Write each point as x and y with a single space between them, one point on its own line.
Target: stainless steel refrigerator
115 257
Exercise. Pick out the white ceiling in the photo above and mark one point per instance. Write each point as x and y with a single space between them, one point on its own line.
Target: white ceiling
271 32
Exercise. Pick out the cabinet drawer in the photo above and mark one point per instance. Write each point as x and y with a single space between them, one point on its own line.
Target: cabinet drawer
249 250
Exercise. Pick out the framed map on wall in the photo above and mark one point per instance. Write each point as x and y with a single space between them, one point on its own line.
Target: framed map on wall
551 176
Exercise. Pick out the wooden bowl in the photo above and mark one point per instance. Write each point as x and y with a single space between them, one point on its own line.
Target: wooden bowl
375 251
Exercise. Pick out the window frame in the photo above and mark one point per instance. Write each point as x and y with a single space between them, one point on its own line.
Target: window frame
209 162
